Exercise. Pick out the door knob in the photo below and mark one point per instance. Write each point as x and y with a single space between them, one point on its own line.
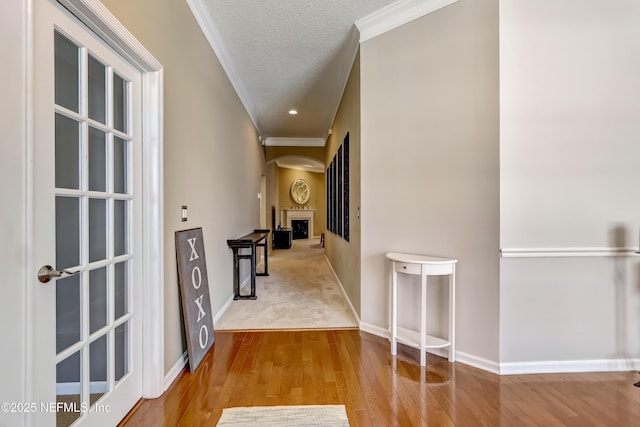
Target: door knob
46 273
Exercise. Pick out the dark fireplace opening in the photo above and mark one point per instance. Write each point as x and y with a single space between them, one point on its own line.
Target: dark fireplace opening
300 228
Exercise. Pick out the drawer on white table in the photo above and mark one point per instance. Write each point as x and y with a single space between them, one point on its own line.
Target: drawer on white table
407 267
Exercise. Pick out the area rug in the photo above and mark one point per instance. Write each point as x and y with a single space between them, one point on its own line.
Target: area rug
276 416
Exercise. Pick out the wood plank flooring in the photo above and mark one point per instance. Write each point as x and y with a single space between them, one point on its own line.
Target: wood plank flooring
354 368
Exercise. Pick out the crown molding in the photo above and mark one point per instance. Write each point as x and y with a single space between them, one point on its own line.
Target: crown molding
201 13
294 142
395 15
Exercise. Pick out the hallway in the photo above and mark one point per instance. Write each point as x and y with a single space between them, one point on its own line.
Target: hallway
301 292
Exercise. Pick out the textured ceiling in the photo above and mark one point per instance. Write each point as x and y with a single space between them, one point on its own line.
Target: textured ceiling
288 54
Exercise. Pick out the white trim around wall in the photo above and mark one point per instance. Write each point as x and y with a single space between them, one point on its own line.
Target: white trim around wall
226 305
569 366
354 313
521 368
395 15
567 252
100 20
175 370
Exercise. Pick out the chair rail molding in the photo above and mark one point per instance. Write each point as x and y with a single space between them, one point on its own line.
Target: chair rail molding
559 252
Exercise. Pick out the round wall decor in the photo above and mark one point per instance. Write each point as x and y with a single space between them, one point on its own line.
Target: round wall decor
300 191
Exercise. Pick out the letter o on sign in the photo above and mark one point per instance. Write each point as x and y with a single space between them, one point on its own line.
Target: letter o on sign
203 336
195 274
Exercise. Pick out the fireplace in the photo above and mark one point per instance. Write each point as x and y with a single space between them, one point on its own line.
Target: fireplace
300 228
301 215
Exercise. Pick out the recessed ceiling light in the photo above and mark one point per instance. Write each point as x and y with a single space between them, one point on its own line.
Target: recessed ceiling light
293 112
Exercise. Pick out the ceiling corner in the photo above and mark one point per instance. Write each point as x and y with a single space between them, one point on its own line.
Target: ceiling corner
395 15
201 13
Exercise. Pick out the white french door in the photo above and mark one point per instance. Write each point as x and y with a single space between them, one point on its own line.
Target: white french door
87 225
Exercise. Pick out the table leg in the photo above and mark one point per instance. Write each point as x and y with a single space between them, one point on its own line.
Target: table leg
266 259
394 312
253 272
452 315
423 321
236 274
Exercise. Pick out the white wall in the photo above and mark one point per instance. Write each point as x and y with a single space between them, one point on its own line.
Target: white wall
570 147
430 176
13 283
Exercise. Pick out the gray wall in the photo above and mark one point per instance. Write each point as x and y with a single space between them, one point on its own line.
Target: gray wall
569 132
430 175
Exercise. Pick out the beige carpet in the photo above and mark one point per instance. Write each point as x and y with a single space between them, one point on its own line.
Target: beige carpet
300 292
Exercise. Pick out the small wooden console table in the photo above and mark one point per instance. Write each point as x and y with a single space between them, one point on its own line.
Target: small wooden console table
423 266
251 241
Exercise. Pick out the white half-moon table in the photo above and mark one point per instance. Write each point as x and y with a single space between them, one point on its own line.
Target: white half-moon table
423 266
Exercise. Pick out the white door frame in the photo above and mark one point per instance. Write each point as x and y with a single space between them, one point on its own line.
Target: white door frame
98 18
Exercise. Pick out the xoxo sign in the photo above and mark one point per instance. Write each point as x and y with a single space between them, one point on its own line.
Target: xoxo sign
194 289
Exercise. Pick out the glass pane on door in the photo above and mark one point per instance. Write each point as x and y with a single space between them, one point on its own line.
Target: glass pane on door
122 351
120 165
97 160
98 363
68 389
67 232
121 290
67 73
120 104
97 299
67 152
120 227
97 90
68 315
97 229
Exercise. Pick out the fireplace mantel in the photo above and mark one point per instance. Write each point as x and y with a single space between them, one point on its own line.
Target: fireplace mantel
307 214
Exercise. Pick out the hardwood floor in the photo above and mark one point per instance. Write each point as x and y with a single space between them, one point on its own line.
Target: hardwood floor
356 369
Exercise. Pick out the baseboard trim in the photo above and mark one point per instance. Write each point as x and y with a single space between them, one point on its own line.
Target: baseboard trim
354 313
569 366
478 362
175 370
224 308
374 330
521 368
226 305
